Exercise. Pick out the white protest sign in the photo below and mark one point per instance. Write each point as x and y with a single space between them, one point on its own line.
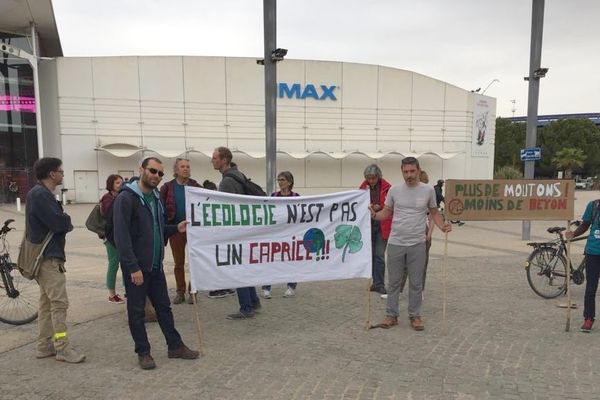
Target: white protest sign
239 241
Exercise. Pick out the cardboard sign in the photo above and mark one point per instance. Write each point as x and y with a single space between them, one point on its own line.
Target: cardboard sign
498 200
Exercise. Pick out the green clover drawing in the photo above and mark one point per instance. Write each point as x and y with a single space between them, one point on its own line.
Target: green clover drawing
348 237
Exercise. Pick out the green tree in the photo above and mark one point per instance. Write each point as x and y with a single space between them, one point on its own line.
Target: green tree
568 159
580 134
510 139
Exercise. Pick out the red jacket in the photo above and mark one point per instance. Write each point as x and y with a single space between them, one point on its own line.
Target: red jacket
167 197
384 187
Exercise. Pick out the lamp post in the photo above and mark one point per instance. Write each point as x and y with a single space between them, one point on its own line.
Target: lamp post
490 84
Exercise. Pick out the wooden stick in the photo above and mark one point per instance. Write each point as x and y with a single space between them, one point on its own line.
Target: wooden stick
568 324
369 282
444 279
198 325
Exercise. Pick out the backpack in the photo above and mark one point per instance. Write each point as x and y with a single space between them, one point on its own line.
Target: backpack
96 222
250 188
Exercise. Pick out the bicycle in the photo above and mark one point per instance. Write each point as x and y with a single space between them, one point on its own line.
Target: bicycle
18 296
546 266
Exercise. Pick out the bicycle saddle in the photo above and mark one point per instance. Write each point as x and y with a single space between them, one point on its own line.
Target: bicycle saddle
556 229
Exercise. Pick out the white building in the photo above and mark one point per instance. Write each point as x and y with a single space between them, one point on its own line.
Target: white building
103 115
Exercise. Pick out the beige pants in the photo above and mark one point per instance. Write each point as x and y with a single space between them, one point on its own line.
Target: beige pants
52 314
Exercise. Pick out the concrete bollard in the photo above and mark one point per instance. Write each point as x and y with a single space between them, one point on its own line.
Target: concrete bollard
18 204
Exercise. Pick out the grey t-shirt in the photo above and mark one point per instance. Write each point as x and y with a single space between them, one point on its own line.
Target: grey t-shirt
410 206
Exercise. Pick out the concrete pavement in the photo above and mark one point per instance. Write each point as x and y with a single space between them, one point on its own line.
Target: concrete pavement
502 341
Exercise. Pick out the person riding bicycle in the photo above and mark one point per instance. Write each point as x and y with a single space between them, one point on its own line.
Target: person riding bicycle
592 260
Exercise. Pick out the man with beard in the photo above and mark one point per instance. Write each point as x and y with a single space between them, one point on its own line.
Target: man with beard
139 234
409 203
221 161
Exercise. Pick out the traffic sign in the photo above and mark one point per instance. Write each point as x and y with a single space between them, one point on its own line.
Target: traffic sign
531 154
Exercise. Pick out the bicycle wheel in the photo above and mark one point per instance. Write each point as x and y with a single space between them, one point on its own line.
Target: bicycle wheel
21 306
547 274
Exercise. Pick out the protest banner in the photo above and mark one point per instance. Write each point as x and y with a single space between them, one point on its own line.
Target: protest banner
498 200
240 241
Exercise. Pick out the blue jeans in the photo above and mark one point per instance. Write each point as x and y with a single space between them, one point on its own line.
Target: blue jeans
155 288
592 271
378 245
291 285
247 298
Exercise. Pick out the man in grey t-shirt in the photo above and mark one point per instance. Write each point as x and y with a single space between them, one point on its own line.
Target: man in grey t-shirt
409 202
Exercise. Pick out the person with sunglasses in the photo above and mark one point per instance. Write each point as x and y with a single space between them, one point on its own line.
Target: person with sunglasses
140 230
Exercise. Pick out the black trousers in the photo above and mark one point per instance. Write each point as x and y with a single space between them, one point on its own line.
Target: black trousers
155 288
592 270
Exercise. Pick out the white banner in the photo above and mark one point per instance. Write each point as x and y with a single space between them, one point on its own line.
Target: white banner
482 126
238 241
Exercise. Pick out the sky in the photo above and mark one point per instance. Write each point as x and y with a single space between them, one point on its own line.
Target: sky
467 43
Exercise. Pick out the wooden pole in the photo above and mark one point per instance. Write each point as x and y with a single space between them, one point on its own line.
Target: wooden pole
568 324
444 284
198 325
369 304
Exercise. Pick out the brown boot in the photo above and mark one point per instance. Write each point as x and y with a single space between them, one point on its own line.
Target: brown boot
389 321
146 361
417 323
183 352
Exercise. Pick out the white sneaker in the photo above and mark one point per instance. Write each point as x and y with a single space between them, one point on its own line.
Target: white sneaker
289 292
266 294
383 296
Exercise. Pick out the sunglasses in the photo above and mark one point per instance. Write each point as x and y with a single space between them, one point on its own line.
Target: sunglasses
154 171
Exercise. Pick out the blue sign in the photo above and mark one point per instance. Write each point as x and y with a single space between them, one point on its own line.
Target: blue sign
531 154
322 92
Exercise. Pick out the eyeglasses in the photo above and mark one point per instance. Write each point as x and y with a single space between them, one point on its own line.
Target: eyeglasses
154 171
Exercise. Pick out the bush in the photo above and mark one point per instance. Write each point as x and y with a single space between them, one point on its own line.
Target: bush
508 172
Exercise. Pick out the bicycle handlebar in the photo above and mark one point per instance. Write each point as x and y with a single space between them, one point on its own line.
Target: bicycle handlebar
6 228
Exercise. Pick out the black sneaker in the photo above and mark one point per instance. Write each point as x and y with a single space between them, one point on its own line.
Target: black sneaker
240 315
229 292
216 294
381 290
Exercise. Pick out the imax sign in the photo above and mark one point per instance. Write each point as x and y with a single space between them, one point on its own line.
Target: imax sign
322 92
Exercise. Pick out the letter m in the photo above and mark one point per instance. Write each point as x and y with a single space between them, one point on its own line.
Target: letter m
286 91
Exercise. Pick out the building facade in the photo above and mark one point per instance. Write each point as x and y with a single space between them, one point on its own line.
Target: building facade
103 115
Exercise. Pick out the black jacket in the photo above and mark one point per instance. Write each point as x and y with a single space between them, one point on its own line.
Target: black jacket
44 214
133 229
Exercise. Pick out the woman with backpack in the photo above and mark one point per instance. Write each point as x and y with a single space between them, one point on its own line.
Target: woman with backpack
113 186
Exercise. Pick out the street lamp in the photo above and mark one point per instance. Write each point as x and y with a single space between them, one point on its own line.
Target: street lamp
489 84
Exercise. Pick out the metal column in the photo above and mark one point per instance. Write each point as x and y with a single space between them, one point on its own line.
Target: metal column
535 57
36 90
270 31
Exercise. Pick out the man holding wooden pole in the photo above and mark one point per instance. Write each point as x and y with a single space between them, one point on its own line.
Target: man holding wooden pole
409 203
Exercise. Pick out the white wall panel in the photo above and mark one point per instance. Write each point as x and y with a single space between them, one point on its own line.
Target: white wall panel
245 81
395 89
75 77
428 93
204 79
161 78
116 78
359 86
